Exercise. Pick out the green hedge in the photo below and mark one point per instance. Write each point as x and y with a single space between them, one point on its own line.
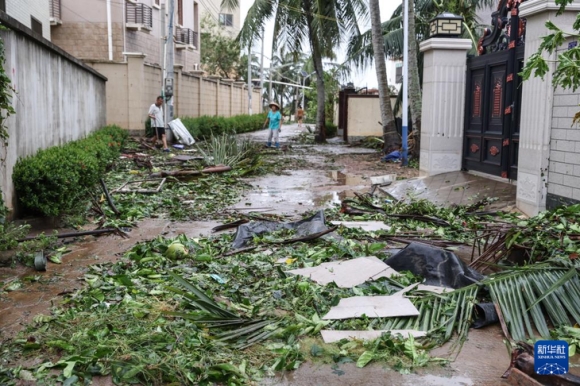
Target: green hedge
203 127
331 130
53 180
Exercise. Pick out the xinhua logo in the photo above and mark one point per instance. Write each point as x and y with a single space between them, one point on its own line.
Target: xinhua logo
551 357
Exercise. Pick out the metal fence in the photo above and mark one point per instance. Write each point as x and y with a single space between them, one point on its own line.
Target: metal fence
140 14
186 36
55 9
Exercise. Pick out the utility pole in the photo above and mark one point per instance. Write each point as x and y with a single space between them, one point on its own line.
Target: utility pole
169 81
250 78
262 74
405 81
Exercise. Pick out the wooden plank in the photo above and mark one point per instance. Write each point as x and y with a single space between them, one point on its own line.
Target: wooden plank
518 378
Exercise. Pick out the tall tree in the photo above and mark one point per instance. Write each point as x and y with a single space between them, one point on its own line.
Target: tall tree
415 94
321 24
387 117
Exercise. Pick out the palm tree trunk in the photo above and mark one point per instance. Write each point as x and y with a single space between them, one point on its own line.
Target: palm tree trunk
317 61
390 135
415 95
320 99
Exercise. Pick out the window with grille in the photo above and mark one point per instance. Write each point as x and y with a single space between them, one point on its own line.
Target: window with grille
226 19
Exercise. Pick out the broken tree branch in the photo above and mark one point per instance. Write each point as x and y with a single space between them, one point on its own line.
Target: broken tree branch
109 199
77 234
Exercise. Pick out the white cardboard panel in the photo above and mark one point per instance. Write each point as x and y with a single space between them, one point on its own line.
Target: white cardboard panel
331 336
347 273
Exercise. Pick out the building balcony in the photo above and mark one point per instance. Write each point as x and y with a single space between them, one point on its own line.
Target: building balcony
185 38
139 16
55 12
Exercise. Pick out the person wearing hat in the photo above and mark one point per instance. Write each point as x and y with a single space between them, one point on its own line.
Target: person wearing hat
274 120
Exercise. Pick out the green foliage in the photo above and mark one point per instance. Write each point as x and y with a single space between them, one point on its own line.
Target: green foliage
9 233
567 72
227 150
331 130
206 126
6 91
220 53
332 87
53 180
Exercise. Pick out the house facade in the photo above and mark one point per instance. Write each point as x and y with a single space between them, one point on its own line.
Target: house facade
33 14
81 27
229 20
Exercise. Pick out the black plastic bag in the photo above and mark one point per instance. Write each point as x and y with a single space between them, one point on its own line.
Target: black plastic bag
438 267
305 227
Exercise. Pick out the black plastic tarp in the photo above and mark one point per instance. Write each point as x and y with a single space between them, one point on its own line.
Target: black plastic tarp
438 267
305 227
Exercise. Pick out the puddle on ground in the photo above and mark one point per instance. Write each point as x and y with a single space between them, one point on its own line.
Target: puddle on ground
347 179
299 190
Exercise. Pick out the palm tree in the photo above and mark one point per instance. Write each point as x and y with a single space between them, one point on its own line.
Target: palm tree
387 117
321 24
361 53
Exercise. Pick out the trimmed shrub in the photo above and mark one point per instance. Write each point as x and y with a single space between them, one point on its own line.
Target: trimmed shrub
52 181
331 130
205 126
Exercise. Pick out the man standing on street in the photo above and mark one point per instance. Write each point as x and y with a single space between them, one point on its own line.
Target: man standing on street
157 123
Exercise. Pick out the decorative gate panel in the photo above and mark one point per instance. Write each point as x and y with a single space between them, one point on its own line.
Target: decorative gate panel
493 96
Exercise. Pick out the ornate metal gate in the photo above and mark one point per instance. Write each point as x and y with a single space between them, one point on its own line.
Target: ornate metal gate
492 109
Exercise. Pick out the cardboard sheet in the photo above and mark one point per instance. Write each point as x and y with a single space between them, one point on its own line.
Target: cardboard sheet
330 336
347 273
373 307
368 226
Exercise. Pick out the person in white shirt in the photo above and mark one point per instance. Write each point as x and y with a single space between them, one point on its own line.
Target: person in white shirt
157 123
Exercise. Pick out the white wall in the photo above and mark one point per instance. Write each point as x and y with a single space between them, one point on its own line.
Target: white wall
21 10
57 100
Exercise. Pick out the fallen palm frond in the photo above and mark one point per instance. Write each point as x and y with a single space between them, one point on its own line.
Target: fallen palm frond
243 331
440 313
528 295
226 150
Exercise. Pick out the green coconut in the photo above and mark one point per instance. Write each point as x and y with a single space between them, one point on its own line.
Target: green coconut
175 251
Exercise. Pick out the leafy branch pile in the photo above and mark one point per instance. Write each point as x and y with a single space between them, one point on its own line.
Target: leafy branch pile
145 318
185 311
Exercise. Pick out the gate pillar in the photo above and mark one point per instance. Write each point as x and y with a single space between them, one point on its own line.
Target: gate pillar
444 70
537 109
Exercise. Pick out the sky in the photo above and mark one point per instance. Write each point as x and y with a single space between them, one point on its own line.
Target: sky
360 79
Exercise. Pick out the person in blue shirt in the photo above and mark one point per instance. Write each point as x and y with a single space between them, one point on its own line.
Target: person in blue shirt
274 122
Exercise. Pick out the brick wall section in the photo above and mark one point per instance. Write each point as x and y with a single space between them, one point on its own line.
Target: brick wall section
152 85
146 43
188 96
21 10
564 170
224 100
89 40
208 104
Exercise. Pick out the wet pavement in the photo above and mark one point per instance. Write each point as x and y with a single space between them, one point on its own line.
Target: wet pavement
459 188
481 362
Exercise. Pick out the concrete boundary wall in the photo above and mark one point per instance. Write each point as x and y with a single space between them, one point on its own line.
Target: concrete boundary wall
57 99
133 87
